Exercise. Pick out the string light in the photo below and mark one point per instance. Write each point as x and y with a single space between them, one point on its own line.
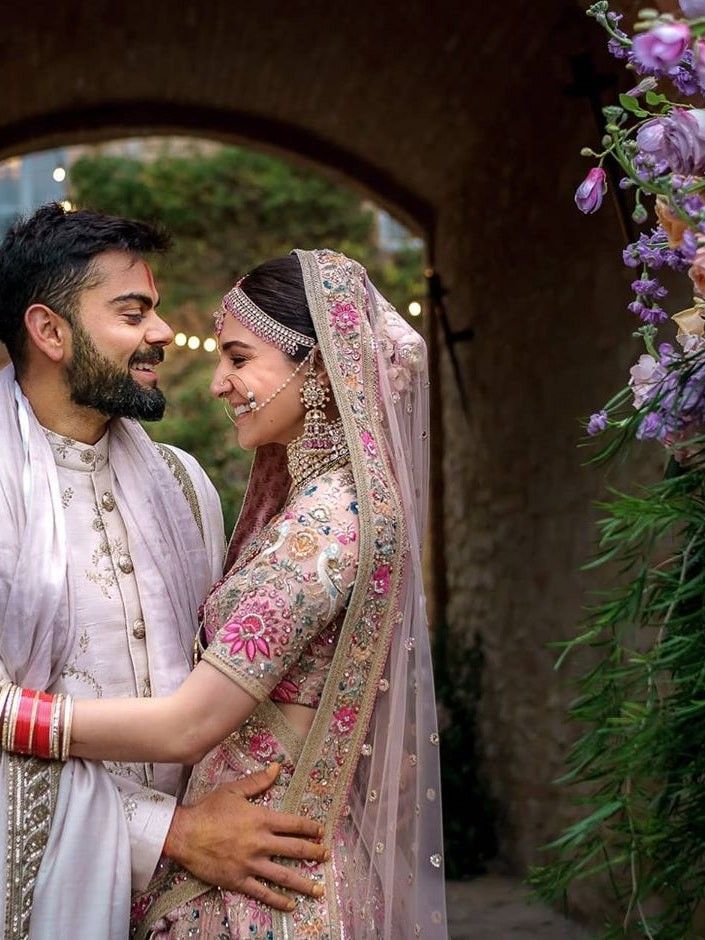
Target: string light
180 339
415 308
193 342
59 174
210 344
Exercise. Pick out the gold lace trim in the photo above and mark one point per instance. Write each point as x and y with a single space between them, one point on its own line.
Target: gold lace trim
184 480
32 792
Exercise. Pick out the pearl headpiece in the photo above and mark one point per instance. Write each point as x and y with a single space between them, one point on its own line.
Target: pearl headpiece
260 323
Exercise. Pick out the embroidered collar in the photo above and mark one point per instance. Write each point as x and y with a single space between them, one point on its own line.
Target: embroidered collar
74 455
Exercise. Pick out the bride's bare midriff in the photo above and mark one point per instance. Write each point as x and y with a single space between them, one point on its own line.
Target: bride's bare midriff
300 717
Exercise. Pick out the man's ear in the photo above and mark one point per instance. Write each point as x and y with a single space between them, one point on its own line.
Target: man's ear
48 331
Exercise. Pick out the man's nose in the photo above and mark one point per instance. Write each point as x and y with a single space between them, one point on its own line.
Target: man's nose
159 333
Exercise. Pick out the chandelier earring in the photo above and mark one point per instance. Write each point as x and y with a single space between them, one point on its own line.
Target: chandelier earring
322 445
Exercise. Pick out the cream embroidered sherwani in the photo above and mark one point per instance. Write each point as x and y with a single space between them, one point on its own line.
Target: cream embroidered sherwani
111 654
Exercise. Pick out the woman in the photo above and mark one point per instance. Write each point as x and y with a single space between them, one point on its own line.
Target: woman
314 648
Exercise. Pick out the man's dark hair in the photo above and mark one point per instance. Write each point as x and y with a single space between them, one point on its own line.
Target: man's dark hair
48 259
277 287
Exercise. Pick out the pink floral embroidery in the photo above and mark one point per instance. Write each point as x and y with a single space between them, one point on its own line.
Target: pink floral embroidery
250 631
369 443
263 746
286 691
345 719
345 318
380 580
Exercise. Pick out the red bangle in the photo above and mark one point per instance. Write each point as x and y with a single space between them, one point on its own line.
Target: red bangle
23 721
41 745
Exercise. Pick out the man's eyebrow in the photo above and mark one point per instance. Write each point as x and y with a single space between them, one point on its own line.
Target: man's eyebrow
235 342
144 299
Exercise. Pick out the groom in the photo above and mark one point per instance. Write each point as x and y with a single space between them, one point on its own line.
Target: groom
79 319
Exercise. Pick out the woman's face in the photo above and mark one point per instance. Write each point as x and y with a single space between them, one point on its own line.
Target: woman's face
248 363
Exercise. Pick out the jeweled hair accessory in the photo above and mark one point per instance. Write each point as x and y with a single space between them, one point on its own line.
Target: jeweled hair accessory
260 323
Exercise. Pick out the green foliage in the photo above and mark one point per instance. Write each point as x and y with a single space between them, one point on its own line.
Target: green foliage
229 209
640 760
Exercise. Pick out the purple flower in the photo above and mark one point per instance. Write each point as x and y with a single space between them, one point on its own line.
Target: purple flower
653 315
589 195
649 287
618 49
597 423
692 8
677 140
684 76
699 61
663 46
650 427
689 245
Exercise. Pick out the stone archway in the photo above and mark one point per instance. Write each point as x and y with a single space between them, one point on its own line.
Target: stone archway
460 120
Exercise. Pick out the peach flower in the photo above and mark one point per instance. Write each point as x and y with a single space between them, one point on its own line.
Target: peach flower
696 272
671 224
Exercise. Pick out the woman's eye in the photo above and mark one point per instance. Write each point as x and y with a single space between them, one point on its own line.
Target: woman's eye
237 360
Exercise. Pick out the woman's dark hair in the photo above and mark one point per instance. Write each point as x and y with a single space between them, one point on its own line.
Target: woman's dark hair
277 286
48 259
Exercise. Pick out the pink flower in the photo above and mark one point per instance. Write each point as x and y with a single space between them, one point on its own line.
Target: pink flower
369 443
263 747
250 631
380 580
644 375
345 719
589 195
697 272
663 46
345 318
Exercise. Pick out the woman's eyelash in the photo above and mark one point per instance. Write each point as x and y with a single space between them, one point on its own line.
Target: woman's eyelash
237 360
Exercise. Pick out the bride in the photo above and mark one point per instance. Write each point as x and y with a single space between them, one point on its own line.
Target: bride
313 651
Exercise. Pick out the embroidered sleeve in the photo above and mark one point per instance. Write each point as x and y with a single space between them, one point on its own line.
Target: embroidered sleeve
263 616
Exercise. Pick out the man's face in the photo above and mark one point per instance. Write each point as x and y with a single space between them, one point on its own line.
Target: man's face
118 340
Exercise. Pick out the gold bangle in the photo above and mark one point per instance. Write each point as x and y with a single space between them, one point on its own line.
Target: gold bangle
55 726
68 721
12 712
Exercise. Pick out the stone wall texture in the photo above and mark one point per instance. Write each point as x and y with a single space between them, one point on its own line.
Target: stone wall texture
461 120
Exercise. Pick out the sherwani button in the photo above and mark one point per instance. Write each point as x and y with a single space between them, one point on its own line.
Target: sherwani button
138 630
125 564
107 501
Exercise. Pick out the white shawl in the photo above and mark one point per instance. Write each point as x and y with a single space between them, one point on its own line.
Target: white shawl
64 852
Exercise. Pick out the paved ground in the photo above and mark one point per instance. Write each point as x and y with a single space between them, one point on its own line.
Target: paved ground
495 908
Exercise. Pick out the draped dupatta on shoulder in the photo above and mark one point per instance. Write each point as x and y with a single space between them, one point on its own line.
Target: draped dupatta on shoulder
64 845
368 769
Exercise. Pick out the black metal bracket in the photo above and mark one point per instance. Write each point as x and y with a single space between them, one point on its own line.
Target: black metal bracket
436 294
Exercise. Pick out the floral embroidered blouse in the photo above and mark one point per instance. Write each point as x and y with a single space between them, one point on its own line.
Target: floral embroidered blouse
272 622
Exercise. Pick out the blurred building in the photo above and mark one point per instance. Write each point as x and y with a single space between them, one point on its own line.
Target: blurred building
28 182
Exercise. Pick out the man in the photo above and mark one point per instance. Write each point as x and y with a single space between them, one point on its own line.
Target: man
109 545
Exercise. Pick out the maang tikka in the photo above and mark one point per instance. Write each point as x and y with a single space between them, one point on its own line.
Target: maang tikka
322 445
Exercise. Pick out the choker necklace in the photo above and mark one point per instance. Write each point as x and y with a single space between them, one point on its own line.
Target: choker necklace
308 458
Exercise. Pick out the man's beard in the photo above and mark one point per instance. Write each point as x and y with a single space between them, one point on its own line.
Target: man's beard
96 382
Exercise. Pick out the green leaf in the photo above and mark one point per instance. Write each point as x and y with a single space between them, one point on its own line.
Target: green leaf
631 104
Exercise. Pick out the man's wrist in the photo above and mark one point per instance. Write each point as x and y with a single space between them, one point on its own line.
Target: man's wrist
176 837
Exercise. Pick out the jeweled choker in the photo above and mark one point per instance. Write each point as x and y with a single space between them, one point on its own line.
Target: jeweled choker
311 457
